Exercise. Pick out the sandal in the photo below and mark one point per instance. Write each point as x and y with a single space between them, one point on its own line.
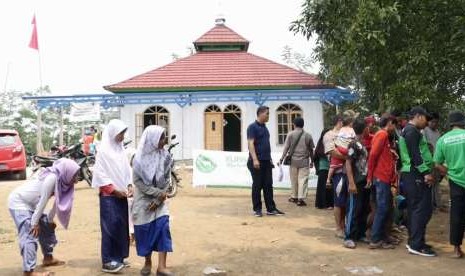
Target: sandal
301 203
292 200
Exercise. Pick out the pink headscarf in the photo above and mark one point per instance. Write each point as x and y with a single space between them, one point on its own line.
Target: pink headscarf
64 169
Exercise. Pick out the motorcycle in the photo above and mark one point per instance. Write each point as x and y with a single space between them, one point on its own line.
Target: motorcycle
75 153
57 151
174 180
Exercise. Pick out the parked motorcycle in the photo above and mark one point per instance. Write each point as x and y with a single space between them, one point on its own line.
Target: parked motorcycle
75 153
175 180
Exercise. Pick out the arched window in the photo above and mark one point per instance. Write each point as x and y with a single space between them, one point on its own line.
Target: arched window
286 114
233 109
212 108
157 115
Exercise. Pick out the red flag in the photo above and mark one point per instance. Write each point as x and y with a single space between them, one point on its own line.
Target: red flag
34 43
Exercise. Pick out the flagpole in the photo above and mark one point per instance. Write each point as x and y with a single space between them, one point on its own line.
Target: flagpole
40 146
40 70
34 44
61 127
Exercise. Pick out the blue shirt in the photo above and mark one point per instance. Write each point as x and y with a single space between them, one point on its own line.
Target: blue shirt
261 139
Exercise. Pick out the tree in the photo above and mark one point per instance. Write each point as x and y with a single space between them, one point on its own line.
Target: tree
21 115
296 60
396 54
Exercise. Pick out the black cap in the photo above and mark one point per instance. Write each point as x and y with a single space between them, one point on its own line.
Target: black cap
420 111
456 118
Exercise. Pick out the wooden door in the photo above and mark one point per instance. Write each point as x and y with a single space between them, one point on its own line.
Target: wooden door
213 131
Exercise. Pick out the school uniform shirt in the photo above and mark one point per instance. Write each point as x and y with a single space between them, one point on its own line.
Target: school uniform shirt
381 162
144 195
33 196
450 149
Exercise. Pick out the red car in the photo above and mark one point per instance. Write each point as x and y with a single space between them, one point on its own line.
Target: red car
12 153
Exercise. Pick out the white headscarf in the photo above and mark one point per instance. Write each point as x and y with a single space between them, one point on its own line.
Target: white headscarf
151 162
111 164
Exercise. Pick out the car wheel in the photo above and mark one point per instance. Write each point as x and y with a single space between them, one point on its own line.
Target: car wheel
22 175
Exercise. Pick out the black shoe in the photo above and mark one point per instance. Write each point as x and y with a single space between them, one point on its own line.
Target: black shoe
258 214
112 267
425 252
275 212
428 246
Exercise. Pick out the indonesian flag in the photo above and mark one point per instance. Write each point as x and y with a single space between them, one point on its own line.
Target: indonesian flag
34 43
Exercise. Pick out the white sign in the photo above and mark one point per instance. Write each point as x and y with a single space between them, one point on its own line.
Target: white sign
222 168
82 112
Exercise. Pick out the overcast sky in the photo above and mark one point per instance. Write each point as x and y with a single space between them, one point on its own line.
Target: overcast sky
87 44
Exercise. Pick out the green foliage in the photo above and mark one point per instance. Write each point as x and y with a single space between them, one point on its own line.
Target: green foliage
21 115
396 54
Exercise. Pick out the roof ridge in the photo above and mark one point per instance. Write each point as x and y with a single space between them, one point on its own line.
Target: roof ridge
217 27
147 72
284 65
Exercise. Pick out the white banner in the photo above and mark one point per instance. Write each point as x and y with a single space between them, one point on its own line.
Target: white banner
82 112
223 168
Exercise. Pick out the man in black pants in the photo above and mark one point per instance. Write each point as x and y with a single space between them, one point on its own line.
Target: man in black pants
260 164
450 150
417 163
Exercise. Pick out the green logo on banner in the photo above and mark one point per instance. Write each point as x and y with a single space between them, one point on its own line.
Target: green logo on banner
204 164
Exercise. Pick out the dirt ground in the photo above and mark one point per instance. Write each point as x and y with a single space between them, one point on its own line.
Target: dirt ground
214 226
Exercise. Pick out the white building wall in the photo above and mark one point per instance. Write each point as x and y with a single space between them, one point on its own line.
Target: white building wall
312 114
188 123
127 115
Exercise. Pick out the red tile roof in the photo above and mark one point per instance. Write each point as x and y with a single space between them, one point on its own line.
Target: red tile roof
219 70
221 34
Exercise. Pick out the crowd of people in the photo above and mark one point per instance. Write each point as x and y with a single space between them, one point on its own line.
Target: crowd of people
375 174
380 176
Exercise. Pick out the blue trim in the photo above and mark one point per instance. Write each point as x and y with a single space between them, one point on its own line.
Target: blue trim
259 97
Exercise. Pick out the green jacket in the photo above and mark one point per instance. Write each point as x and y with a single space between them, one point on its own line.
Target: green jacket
414 151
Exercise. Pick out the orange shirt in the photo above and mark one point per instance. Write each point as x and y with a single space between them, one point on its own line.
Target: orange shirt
381 162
